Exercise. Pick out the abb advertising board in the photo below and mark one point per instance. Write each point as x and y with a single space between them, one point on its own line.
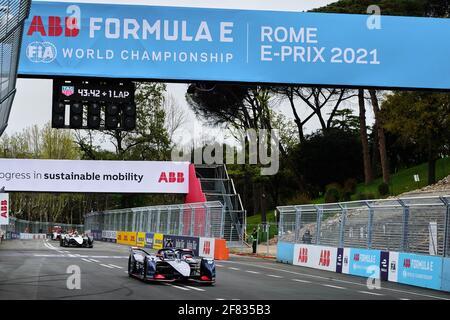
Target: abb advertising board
94 176
124 40
206 247
317 257
4 209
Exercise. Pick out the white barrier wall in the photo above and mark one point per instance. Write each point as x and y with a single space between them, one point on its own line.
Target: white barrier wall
317 257
32 236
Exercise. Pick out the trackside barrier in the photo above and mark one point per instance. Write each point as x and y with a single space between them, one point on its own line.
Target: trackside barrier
204 247
32 236
426 271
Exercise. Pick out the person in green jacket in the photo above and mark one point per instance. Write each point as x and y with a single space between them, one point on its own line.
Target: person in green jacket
254 239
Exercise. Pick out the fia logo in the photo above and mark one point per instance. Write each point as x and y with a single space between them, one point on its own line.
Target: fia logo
41 52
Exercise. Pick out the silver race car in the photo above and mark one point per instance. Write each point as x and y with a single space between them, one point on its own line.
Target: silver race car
170 265
76 240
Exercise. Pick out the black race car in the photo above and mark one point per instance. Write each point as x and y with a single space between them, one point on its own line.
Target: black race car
169 265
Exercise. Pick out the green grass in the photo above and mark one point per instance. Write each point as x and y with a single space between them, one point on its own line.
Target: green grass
403 181
255 220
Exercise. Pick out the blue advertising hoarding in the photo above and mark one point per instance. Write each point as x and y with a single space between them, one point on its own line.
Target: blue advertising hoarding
149 240
420 270
365 263
172 43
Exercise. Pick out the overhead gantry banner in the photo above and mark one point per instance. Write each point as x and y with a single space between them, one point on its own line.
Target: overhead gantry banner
94 176
185 44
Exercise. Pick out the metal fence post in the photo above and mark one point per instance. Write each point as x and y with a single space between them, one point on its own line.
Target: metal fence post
318 223
446 246
191 232
222 223
169 216
158 220
180 221
369 225
207 224
342 225
281 225
298 221
405 224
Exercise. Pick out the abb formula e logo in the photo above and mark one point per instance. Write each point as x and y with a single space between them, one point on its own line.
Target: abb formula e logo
325 259
4 209
55 28
356 257
303 255
171 177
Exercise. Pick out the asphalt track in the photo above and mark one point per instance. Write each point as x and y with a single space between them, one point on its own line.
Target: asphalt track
37 269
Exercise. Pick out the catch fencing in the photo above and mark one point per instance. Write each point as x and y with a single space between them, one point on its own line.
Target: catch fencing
195 219
18 226
415 225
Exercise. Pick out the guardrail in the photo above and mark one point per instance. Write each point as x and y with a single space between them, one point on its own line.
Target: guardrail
195 219
417 225
403 240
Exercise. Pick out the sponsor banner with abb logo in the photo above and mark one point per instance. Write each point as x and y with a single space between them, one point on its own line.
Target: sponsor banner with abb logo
318 257
206 248
128 238
94 176
419 270
4 209
365 263
32 236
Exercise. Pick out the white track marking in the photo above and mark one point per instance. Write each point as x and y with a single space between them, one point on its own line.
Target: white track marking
87 260
372 293
220 299
105 265
335 287
178 287
194 288
220 265
404 299
337 280
254 272
273 276
302 281
232 268
114 266
93 260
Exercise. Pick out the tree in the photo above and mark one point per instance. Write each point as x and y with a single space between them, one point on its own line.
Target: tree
422 119
380 135
368 177
326 157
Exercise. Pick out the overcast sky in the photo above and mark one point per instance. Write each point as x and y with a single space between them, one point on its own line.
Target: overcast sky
32 104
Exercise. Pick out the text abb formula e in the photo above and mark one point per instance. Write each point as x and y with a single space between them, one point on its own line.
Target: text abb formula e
76 240
170 265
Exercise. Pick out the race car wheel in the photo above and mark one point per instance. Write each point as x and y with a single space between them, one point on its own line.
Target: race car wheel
61 243
130 267
144 270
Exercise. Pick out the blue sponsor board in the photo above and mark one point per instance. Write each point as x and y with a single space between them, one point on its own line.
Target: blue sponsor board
420 270
156 42
285 252
365 263
181 242
149 240
446 275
